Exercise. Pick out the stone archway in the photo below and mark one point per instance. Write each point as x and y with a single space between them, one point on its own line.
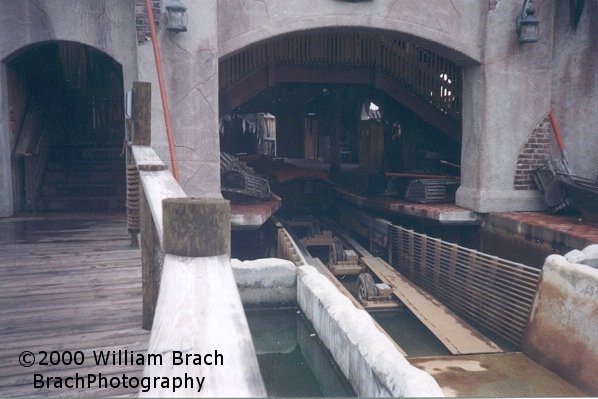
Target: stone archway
425 85
66 109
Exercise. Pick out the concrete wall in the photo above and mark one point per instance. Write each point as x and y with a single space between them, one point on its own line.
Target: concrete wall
575 85
452 25
504 100
266 282
507 91
367 357
27 22
562 334
512 91
190 62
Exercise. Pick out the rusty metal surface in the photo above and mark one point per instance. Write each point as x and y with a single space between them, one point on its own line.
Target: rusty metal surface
451 330
494 375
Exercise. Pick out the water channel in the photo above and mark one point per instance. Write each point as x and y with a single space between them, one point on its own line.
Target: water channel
292 359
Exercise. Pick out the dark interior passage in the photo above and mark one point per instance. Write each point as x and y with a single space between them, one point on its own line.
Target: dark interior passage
377 132
371 98
67 128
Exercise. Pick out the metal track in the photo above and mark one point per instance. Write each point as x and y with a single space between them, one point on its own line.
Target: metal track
455 334
493 292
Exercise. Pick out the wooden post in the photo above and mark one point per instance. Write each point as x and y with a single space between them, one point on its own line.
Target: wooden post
196 227
142 113
151 263
335 140
193 227
140 134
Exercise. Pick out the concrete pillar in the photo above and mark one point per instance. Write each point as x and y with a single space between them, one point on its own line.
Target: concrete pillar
190 63
503 100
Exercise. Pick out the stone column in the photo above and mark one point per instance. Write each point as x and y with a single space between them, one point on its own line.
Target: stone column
190 63
503 100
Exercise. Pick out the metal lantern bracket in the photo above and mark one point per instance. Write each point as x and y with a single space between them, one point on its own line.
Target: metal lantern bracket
177 16
527 23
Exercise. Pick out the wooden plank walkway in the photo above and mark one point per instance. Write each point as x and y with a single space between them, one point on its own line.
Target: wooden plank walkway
458 336
68 282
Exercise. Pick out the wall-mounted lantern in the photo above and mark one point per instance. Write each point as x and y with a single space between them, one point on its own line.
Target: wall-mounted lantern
527 23
177 16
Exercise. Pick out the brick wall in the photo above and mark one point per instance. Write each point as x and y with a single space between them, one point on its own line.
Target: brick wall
143 30
534 155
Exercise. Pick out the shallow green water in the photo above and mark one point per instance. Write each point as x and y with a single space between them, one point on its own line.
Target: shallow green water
292 359
404 327
410 333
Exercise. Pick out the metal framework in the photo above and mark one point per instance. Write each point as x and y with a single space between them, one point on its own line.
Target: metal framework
493 292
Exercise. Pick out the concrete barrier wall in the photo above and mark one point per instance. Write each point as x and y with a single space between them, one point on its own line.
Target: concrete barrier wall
368 358
266 282
562 333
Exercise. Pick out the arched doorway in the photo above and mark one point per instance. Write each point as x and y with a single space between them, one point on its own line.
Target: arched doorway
66 109
297 77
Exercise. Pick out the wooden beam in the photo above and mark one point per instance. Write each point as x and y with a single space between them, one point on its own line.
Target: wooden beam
419 106
320 74
245 89
142 113
458 336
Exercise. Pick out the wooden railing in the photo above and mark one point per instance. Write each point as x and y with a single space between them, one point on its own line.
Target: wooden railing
427 74
431 76
190 297
240 65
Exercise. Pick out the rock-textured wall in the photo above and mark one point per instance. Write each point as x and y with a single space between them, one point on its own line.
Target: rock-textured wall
561 334
266 282
503 100
190 65
575 85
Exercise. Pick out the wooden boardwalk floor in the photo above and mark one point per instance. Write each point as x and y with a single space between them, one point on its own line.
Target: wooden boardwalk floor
68 282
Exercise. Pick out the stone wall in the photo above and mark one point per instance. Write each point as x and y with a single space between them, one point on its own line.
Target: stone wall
574 97
503 100
266 282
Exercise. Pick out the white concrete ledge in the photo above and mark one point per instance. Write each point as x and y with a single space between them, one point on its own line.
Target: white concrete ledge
146 158
156 187
587 256
368 358
561 333
485 200
266 282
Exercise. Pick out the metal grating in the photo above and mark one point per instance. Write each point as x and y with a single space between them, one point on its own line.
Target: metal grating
495 293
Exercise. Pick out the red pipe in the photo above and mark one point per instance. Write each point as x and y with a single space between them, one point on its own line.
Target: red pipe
169 135
557 132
